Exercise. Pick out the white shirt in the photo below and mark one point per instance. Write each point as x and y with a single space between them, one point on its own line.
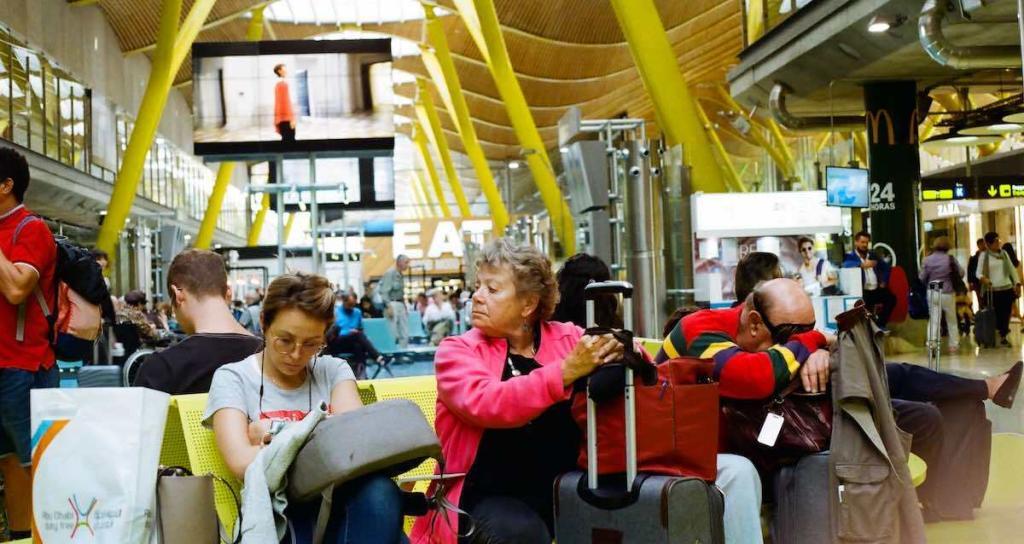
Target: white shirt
433 313
870 279
811 279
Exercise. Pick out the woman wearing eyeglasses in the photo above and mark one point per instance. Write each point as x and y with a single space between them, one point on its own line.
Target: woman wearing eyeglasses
251 399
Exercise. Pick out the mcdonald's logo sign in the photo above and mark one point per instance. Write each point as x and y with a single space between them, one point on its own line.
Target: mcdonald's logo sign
874 119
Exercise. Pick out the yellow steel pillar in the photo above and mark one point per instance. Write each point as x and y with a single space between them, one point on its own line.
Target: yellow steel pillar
422 194
213 206
288 224
171 48
257 222
420 139
427 115
438 61
482 22
725 163
659 70
779 152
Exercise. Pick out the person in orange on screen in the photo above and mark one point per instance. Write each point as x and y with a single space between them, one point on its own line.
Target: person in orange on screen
284 114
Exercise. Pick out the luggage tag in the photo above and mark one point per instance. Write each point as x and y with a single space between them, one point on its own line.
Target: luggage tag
771 429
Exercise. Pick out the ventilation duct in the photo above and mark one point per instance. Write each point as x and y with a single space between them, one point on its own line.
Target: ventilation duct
934 42
777 105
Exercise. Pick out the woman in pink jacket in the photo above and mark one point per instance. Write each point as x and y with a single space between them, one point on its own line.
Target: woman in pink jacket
502 403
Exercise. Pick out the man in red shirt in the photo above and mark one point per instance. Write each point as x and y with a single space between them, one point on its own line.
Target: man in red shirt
28 261
284 114
758 347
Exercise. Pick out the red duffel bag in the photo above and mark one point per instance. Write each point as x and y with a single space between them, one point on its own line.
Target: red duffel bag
676 422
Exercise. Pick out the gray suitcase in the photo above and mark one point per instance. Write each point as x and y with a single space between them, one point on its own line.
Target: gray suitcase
644 508
802 506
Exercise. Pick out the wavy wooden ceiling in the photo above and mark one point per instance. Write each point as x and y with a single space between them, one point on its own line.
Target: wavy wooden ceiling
566 52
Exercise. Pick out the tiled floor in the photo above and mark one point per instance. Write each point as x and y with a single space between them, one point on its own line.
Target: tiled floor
1001 518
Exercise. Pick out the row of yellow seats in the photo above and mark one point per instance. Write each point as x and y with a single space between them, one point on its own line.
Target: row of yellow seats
187 443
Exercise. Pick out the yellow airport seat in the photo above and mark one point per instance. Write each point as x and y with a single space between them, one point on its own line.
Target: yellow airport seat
651 345
203 455
423 391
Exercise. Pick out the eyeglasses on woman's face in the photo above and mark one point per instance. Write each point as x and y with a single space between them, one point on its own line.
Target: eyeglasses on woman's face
807 249
287 346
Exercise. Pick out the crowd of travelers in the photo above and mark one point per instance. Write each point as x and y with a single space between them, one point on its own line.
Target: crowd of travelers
504 387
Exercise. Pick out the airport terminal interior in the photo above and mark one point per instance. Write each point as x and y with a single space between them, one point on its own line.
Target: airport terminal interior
439 261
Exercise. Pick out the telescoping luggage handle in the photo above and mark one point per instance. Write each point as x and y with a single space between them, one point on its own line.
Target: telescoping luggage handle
591 292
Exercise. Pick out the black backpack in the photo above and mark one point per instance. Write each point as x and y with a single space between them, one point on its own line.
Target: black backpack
77 269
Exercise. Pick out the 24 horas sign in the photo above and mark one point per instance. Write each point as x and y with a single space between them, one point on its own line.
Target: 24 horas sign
435 245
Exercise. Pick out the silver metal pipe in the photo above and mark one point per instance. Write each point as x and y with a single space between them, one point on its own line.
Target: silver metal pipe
314 216
946 53
777 106
639 203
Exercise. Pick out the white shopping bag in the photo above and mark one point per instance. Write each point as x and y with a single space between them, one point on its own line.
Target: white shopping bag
95 453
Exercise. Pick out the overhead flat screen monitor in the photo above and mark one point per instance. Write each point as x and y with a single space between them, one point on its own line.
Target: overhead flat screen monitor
329 97
846 187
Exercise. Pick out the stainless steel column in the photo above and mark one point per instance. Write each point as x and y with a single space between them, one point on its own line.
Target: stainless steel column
314 215
640 232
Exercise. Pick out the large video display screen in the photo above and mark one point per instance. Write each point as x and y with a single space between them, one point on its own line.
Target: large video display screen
287 97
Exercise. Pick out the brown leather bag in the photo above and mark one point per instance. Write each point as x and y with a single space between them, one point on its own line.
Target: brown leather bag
806 429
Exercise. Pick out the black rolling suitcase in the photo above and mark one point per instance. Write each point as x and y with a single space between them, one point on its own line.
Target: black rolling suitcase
985 324
644 508
802 510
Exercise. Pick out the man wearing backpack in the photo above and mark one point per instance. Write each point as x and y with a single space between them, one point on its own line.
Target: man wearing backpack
28 260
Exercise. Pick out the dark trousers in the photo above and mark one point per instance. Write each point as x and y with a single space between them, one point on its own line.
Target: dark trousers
913 390
357 344
883 297
919 398
505 520
919 384
1002 301
286 131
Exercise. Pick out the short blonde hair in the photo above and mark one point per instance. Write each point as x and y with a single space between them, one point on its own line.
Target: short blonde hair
531 271
941 243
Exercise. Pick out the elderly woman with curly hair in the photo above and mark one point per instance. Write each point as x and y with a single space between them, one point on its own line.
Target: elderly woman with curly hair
502 402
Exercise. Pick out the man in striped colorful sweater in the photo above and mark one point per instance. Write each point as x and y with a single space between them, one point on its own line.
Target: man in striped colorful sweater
759 346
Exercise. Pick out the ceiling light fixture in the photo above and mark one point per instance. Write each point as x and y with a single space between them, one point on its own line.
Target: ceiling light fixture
514 165
952 139
1017 117
993 129
883 23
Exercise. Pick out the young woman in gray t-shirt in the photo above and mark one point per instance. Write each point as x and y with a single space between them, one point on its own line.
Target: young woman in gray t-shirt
283 383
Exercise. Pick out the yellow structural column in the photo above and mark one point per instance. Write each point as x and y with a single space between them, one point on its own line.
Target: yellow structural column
257 223
438 60
481 20
675 108
420 139
725 164
172 45
213 206
427 115
422 194
288 227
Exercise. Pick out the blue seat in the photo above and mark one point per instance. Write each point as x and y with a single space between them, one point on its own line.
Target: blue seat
417 332
377 331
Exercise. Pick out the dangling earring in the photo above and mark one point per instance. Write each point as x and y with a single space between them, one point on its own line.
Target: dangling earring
525 327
